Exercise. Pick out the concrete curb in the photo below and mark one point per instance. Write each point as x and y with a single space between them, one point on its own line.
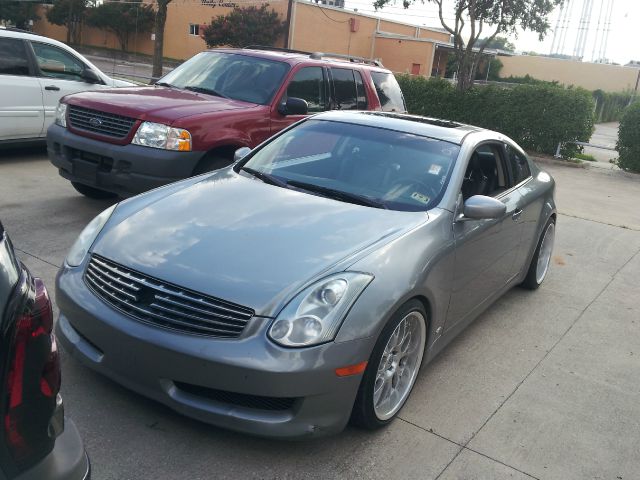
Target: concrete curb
563 163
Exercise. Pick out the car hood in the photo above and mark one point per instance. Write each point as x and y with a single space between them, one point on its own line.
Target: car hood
153 103
244 241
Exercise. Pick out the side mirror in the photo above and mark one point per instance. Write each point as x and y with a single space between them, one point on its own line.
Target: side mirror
480 207
90 76
240 153
294 106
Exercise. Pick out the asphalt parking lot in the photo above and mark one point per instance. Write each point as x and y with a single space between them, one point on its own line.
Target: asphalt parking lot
543 385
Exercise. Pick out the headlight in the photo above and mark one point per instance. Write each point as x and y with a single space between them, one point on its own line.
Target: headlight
157 135
315 314
86 238
61 115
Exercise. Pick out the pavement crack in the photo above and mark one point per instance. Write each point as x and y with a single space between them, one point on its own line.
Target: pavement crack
625 227
544 357
37 257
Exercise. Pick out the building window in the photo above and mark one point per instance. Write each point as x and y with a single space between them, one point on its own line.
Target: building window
194 29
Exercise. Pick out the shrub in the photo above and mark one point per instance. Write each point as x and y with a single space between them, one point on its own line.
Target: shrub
538 117
629 139
245 26
610 105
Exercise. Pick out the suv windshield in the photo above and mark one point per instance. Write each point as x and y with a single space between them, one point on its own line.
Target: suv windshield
358 164
228 75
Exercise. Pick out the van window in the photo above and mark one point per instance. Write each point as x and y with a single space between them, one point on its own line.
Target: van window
389 92
13 57
56 63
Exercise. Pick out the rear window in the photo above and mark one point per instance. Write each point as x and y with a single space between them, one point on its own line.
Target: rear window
389 92
8 272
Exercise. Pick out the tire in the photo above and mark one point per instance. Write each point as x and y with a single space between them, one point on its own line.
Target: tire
366 413
92 192
211 163
539 266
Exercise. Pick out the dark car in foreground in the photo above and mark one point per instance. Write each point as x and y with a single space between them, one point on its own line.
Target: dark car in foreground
36 442
127 141
309 282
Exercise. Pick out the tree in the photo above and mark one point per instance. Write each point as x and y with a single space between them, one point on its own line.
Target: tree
498 43
70 14
502 16
158 29
123 19
245 26
18 13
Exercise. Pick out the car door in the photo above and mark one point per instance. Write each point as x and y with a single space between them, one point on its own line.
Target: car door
60 73
531 202
21 108
486 250
308 83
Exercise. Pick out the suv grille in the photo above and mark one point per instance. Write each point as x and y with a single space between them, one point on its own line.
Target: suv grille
102 123
162 304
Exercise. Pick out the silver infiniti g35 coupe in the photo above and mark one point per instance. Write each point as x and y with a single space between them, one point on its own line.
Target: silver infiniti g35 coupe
307 283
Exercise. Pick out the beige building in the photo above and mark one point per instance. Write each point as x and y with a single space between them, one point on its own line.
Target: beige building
592 76
311 27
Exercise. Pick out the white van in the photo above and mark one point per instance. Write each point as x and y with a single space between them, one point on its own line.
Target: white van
35 72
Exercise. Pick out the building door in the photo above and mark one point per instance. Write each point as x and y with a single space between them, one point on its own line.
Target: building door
415 69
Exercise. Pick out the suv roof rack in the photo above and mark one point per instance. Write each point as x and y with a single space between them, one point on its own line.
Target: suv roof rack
320 55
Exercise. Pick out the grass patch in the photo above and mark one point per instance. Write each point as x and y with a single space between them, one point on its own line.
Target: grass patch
585 156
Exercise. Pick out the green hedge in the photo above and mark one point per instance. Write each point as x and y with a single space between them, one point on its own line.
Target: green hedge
629 139
538 117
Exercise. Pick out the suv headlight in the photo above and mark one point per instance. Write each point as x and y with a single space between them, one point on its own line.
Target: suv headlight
316 313
157 135
87 237
61 115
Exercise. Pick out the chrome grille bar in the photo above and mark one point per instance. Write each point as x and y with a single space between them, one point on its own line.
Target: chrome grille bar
153 301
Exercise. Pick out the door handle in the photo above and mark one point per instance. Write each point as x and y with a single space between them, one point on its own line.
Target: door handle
52 88
516 214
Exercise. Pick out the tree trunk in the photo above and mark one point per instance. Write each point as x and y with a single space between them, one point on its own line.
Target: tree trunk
161 18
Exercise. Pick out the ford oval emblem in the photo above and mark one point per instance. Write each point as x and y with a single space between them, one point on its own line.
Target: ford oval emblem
95 122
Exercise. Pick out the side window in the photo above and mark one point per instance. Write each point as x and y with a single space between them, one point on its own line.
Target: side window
345 88
309 85
56 63
389 92
485 174
13 57
363 104
519 165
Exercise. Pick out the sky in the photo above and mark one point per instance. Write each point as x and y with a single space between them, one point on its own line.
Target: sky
624 37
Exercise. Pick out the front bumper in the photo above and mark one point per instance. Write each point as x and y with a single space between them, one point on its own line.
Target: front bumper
67 460
125 170
181 371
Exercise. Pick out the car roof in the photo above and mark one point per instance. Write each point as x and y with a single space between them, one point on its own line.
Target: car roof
26 35
293 57
446 130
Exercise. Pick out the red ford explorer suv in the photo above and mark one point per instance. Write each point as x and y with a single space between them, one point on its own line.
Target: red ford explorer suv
128 140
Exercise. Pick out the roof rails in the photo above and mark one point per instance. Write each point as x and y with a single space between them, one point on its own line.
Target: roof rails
320 55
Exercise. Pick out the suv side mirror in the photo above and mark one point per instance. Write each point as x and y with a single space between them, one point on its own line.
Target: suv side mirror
240 153
294 106
90 76
481 207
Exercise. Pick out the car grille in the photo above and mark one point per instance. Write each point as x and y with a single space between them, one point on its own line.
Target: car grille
162 304
102 123
239 399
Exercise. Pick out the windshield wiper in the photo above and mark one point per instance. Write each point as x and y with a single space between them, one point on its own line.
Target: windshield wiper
208 91
338 194
265 177
164 84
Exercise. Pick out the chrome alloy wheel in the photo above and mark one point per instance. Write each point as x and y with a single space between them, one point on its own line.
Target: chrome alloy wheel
544 254
399 365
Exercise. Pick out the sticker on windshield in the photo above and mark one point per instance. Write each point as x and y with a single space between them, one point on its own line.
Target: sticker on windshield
417 196
434 169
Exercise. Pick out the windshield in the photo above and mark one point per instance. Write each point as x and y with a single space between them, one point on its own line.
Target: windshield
358 164
229 75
